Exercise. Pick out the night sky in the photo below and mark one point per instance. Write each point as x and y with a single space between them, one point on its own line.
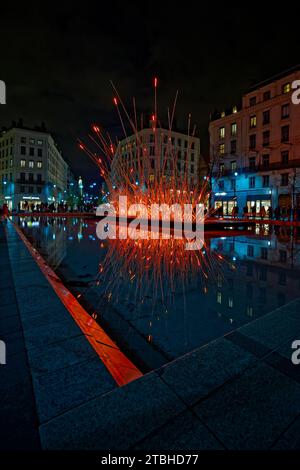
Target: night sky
57 62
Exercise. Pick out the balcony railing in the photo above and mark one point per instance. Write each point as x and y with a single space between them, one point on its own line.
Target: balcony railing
259 168
28 181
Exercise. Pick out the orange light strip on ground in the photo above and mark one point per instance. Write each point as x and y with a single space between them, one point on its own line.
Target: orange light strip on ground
119 366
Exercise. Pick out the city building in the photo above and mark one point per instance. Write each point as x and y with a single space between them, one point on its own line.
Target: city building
156 153
255 149
32 169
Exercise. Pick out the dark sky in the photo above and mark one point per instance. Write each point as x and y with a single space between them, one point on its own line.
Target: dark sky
58 61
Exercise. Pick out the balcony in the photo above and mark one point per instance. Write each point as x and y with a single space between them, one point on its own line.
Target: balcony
276 166
28 181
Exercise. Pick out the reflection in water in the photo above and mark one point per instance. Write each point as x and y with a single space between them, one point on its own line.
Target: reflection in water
159 300
150 272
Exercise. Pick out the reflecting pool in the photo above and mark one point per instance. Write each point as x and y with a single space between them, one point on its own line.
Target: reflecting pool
159 301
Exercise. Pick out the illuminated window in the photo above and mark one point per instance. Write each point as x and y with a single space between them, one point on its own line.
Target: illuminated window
234 109
22 163
222 132
219 297
222 114
151 178
286 88
249 310
30 164
252 121
233 129
39 164
230 302
221 149
233 165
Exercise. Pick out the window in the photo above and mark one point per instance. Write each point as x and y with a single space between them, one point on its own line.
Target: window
284 179
252 162
221 168
39 142
285 157
286 88
282 256
234 109
39 190
266 181
23 150
252 101
233 146
221 184
11 162
266 138
40 152
252 141
230 302
267 95
192 157
263 271
233 129
30 177
285 111
282 278
233 185
39 164
192 169
22 163
266 117
250 251
32 141
233 165
23 140
221 149
264 253
30 164
285 132
22 189
22 177
266 162
222 132
252 182
31 151
252 121
39 177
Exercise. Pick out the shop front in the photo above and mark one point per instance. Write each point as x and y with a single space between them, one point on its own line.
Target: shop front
258 202
27 203
224 206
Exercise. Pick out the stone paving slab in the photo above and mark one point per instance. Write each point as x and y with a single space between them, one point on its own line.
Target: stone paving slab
114 421
183 433
63 389
252 411
198 373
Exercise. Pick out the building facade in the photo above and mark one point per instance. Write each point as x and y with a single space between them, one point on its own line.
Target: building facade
255 150
158 153
32 169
